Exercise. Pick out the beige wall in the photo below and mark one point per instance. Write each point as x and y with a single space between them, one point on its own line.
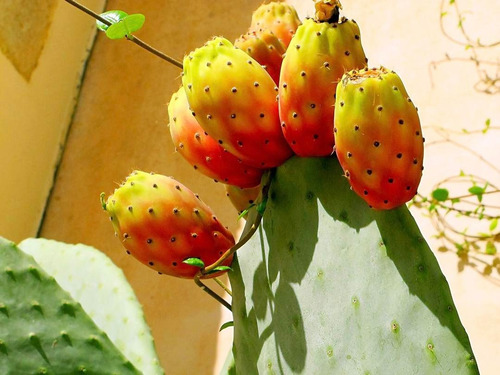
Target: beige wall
35 115
121 124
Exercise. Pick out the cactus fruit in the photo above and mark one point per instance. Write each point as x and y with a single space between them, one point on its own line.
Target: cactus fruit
266 48
242 199
319 54
101 288
45 331
203 152
378 137
329 286
162 223
234 101
280 18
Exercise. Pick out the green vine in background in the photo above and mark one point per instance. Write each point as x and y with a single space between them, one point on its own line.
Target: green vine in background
462 207
488 71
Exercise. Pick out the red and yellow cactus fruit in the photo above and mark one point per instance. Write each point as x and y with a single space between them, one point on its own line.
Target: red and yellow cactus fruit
162 223
203 152
378 137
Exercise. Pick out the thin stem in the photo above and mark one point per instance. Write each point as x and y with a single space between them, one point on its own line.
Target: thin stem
132 38
211 293
223 286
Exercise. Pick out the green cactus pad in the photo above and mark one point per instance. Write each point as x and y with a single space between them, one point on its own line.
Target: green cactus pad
104 293
43 330
329 286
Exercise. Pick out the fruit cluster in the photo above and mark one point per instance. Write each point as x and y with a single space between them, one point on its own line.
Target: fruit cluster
284 88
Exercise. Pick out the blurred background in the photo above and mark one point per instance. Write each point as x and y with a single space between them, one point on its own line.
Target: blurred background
79 112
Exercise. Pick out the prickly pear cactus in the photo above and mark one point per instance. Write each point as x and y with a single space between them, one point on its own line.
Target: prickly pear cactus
101 288
330 286
43 330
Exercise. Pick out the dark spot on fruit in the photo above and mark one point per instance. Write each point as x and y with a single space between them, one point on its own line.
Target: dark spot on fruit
151 263
294 142
386 201
369 171
417 133
315 136
193 113
361 89
256 84
302 74
376 143
341 104
233 115
155 186
250 62
423 140
150 210
409 100
125 235
395 88
220 141
214 218
181 145
209 117
312 105
207 89
266 141
297 46
415 161
294 114
132 183
284 85
196 211
261 115
318 33
399 156
128 252
365 192
190 86
349 155
335 130
194 235
216 234
380 108
347 53
356 127
130 208
347 174
391 180
356 37
326 64
177 187
174 264
175 210
401 121
172 239
240 143
283 125
408 188
229 63
174 118
234 89
209 63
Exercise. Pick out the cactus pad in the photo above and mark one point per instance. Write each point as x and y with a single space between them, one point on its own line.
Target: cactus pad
102 290
330 286
43 330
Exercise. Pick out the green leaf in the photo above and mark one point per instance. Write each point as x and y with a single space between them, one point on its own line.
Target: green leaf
126 26
219 269
226 325
490 248
477 191
487 125
493 224
113 16
261 207
245 211
197 262
440 194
